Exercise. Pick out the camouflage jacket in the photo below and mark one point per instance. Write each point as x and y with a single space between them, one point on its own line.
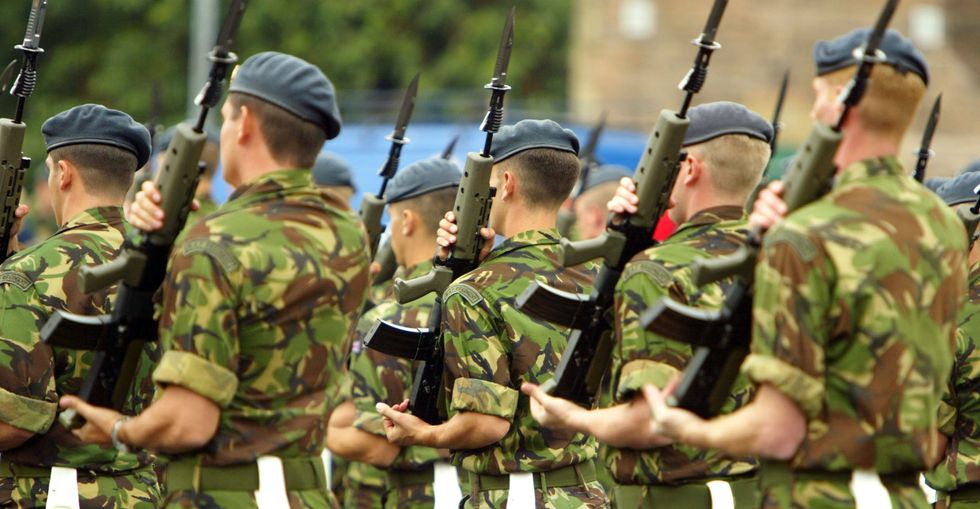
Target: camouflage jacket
642 357
207 205
854 318
378 377
33 284
257 306
491 348
960 414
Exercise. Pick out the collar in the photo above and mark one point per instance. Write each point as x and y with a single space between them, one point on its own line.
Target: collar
524 239
273 181
94 216
417 270
874 167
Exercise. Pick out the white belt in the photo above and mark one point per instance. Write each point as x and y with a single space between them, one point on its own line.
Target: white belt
272 484
521 490
721 494
868 491
445 485
930 493
327 458
62 489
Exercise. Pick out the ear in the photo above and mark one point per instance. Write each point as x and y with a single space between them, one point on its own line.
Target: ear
508 186
409 222
246 125
695 169
67 173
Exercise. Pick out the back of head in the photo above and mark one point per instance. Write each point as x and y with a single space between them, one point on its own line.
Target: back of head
601 184
733 142
106 146
428 187
896 85
544 158
330 170
294 102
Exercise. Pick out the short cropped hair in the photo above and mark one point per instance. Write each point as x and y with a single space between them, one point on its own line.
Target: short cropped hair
291 140
735 162
891 101
106 170
431 207
546 176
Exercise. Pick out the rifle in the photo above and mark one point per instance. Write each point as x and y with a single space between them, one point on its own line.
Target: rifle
777 126
587 356
970 216
13 163
587 159
372 205
925 153
472 208
385 257
118 338
722 336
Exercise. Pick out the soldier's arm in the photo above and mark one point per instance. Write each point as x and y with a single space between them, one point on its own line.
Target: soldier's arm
354 444
464 430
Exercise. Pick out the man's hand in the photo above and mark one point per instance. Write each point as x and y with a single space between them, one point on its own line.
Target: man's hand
552 412
446 237
769 208
402 428
667 421
98 420
625 201
145 212
15 228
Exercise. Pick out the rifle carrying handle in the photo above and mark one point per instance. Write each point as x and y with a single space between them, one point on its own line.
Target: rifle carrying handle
371 209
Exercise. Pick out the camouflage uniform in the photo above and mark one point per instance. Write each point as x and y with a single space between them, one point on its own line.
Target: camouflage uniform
33 284
491 348
960 412
379 377
856 297
642 357
207 206
257 307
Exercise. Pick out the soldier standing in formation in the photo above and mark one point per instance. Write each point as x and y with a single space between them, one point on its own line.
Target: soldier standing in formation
257 304
590 206
727 149
854 312
93 153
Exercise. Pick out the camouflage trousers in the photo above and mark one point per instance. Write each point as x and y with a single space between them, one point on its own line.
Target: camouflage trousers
417 496
590 496
361 496
836 495
136 489
298 499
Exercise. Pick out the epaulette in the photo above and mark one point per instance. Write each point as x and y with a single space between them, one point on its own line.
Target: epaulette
470 294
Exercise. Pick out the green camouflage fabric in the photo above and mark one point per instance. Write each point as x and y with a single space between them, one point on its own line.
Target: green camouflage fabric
574 497
856 300
136 489
207 206
642 357
379 377
258 303
961 466
364 486
491 348
33 284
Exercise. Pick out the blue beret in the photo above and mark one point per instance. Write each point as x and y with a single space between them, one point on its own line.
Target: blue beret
959 189
529 134
98 125
605 174
838 53
330 170
162 141
293 84
934 184
711 120
423 177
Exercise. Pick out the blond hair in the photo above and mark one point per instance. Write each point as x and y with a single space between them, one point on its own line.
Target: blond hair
735 162
890 103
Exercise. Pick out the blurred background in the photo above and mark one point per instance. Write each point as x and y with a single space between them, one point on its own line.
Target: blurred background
572 60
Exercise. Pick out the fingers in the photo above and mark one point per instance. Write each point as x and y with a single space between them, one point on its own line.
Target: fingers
671 385
21 211
145 213
446 234
769 208
401 407
374 268
195 204
625 201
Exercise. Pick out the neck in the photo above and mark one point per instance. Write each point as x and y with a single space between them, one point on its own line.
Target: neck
419 250
859 145
203 188
521 219
254 163
76 204
705 198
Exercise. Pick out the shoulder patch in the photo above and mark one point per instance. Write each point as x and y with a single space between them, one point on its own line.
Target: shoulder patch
653 270
18 279
799 242
221 254
469 293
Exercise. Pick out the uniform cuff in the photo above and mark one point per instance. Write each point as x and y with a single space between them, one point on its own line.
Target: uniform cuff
29 414
635 374
371 422
197 374
946 419
473 395
803 389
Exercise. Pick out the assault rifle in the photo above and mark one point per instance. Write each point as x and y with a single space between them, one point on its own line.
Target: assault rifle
722 336
925 152
13 163
777 126
472 209
373 205
586 160
587 356
118 338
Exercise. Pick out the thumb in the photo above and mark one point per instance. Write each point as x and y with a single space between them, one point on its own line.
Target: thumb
386 411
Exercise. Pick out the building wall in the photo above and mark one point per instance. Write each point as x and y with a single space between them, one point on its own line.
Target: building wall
627 57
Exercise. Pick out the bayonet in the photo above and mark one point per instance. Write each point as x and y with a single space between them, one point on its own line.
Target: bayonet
447 153
777 115
222 58
498 85
707 45
925 151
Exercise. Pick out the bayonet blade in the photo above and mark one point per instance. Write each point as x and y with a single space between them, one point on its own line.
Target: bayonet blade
226 37
874 40
714 21
32 38
447 153
588 153
925 148
503 52
777 115
408 106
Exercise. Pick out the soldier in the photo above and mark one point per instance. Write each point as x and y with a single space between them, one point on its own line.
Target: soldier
956 478
590 206
257 306
416 198
93 152
854 312
727 148
332 172
490 347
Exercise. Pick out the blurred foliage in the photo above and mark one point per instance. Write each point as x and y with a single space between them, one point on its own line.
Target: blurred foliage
112 51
